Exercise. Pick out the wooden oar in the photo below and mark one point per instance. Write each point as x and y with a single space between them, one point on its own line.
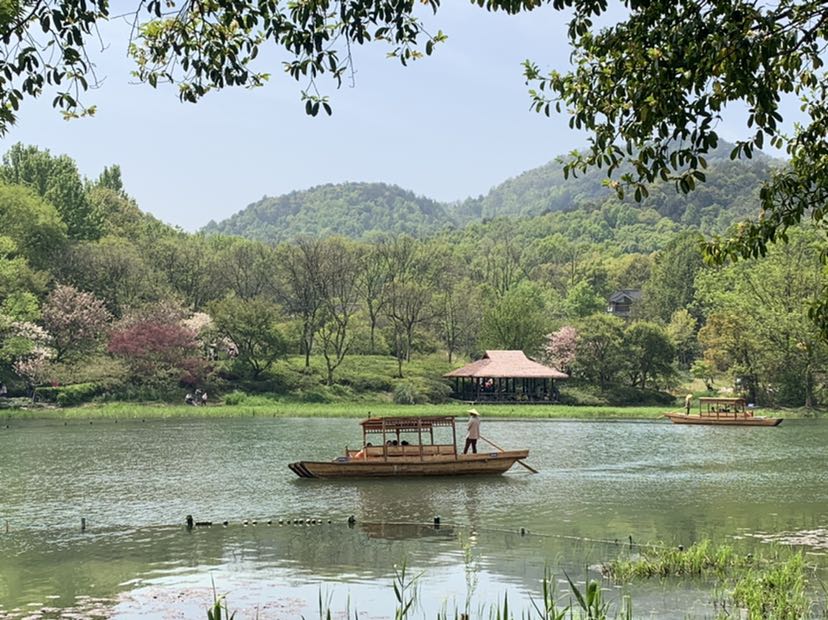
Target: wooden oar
494 445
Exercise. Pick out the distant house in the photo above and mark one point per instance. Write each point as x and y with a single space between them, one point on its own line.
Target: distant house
621 302
505 376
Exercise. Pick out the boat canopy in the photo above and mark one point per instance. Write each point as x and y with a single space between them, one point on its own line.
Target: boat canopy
724 401
717 405
406 425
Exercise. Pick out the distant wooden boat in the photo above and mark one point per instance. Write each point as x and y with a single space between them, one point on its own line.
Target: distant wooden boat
723 412
395 456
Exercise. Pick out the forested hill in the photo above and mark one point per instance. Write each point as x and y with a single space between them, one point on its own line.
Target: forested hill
350 209
727 196
357 210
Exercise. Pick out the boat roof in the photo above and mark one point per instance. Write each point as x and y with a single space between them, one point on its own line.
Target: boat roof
716 399
407 424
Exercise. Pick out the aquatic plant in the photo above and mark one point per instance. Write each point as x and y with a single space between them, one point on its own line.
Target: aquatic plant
696 560
548 608
405 591
219 610
774 592
591 601
750 586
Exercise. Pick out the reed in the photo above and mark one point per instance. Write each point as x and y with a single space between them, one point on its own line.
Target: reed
697 560
777 592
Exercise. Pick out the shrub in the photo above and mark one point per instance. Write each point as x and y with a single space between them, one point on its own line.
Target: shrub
235 397
69 395
406 394
317 395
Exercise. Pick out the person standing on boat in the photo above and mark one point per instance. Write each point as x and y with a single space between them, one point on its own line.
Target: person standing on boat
688 402
473 433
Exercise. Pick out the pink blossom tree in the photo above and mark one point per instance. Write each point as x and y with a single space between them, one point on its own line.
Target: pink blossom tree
561 346
155 348
75 319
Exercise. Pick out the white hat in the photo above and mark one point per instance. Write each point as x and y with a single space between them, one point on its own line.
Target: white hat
473 412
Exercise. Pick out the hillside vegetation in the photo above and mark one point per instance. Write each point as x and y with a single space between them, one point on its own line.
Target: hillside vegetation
361 210
101 302
354 210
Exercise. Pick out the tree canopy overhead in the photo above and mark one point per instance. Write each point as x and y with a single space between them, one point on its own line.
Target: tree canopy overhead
650 88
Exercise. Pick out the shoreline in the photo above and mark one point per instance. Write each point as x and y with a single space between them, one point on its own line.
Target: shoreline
356 410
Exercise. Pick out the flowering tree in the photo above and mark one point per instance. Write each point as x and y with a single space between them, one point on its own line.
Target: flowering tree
75 319
24 346
158 349
560 347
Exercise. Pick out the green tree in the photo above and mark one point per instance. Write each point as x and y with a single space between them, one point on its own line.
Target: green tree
582 300
682 332
373 287
16 276
246 268
671 284
116 271
33 225
517 321
110 178
301 266
256 328
599 353
757 327
56 180
192 268
649 353
339 292
410 289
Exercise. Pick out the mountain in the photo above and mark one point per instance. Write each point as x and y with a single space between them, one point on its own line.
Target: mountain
355 210
729 193
358 210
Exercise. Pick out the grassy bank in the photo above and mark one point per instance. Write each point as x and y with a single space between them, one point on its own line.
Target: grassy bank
274 408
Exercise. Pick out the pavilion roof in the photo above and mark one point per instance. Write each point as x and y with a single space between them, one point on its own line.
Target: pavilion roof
507 364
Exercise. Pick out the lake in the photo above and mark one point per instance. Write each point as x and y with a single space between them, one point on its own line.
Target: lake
601 484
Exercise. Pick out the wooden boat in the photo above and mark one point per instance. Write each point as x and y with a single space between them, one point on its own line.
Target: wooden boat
723 412
395 456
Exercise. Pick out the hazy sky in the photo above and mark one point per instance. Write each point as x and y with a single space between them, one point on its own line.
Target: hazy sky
449 126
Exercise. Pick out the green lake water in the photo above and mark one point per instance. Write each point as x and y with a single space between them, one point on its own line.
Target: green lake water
601 483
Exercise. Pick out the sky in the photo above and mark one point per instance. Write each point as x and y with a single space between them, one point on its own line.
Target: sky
450 126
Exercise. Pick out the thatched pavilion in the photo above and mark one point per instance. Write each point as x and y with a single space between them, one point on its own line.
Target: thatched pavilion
505 376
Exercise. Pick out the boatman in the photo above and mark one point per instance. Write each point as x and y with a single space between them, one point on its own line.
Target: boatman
474 431
688 402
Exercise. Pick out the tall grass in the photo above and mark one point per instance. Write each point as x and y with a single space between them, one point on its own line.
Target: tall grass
263 406
755 587
777 592
696 560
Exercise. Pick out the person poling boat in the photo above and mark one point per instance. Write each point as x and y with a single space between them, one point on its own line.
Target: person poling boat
423 452
473 433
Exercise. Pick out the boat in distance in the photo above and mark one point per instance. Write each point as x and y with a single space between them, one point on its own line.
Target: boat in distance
722 412
396 456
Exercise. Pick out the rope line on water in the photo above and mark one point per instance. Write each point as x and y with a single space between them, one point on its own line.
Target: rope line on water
190 524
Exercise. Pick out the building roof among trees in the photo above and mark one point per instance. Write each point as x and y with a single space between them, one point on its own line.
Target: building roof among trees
625 294
507 364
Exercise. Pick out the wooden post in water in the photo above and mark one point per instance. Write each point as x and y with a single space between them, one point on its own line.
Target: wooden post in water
83 524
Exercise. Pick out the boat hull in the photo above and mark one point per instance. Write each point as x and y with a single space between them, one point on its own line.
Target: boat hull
722 420
492 463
